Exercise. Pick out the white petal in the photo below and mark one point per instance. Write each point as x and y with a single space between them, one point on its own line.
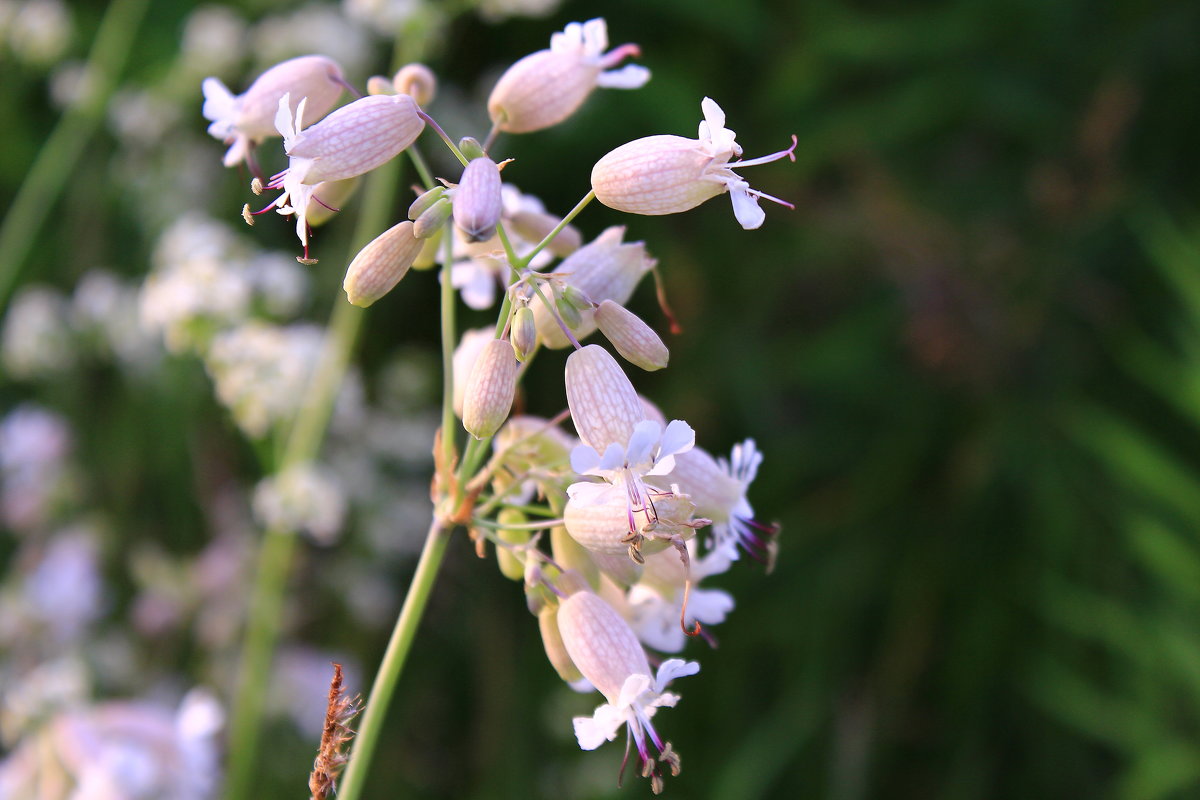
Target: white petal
595 37
645 435
599 728
237 151
677 438
674 668
584 459
283 120
613 459
588 494
630 76
745 207
634 687
220 105
714 119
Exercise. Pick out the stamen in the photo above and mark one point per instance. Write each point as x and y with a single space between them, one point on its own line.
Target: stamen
754 162
772 198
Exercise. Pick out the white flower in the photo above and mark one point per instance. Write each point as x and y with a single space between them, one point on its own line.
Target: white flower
607 653
304 498
546 87
719 488
669 174
655 603
351 141
244 120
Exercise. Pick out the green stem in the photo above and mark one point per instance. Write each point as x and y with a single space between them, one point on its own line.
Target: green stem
449 337
278 546
393 662
572 214
59 155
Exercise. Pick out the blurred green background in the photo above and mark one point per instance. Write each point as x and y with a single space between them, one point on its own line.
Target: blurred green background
971 356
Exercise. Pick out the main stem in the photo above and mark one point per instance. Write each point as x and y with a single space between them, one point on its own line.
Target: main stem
393 661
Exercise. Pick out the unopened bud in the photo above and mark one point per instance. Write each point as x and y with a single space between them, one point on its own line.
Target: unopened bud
490 389
377 84
511 566
418 81
572 556
471 148
429 251
425 201
433 219
568 311
575 297
604 269
634 339
380 265
477 203
556 651
524 332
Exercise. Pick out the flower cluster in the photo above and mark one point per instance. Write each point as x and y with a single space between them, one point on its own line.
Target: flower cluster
610 528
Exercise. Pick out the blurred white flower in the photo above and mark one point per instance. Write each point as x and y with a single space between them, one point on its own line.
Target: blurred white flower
106 307
500 10
262 371
40 31
387 17
36 341
213 40
312 28
304 498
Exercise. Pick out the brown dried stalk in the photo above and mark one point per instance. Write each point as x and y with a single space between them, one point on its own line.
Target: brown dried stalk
330 758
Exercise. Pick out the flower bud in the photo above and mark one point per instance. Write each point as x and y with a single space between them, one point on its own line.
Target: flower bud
524 332
429 251
425 201
477 203
380 265
465 355
634 339
568 311
433 220
510 566
490 389
556 651
418 81
470 147
377 84
546 87
605 269
604 406
571 555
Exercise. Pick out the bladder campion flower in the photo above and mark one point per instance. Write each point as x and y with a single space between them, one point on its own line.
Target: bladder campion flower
351 141
244 120
607 653
669 174
546 87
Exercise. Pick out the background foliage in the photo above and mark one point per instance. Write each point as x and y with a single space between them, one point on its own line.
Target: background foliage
971 355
